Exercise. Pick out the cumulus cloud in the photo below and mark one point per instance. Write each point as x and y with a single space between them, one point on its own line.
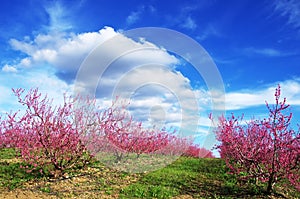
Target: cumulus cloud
155 86
25 62
141 71
251 98
48 84
63 52
109 64
8 68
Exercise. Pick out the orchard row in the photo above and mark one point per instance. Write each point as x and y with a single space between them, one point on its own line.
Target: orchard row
51 138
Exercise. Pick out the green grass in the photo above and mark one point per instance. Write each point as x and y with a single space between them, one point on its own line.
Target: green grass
11 175
7 153
196 178
199 178
186 176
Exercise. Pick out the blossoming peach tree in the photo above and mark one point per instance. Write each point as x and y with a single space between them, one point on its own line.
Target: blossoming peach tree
55 139
266 150
45 135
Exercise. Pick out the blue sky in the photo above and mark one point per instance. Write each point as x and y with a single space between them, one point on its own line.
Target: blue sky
254 44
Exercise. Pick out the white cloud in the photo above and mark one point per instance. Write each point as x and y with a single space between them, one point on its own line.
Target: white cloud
22 46
139 70
189 23
140 63
209 30
9 69
46 81
58 17
184 18
136 15
48 84
48 55
64 52
143 72
5 95
269 52
251 98
289 9
133 17
24 63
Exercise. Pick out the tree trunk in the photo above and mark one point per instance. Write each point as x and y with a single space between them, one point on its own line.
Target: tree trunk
118 157
270 184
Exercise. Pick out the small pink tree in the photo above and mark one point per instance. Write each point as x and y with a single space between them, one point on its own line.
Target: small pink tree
196 151
267 150
47 137
131 137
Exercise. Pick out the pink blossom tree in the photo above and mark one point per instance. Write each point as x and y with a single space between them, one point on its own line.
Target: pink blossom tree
267 150
46 136
196 151
139 140
58 138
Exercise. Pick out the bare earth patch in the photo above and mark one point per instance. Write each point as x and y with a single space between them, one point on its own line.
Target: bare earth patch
93 182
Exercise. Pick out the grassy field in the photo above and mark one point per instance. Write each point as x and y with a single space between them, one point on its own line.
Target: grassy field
184 178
